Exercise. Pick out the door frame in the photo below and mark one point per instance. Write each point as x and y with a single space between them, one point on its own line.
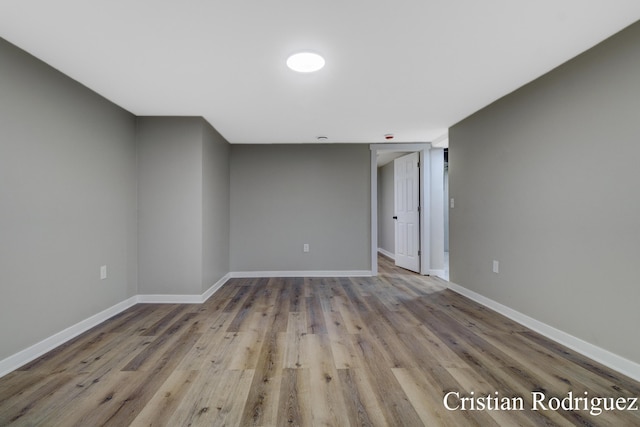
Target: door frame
423 150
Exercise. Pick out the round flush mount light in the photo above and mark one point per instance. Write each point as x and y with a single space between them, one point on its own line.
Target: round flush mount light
305 62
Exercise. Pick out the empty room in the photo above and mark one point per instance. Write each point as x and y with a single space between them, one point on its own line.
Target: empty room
313 213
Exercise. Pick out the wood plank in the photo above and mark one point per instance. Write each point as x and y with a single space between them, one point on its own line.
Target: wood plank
315 316
158 327
361 402
279 308
28 406
197 401
163 404
295 353
128 396
156 348
469 381
394 405
297 297
295 398
246 349
426 399
236 390
327 403
214 404
88 381
345 356
203 352
352 320
261 406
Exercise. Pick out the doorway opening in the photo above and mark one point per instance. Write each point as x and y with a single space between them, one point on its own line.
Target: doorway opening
431 202
389 152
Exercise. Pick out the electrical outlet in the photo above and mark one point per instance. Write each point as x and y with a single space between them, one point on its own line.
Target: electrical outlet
453 203
103 272
305 247
496 266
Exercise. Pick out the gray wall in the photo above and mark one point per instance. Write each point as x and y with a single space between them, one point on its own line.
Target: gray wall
285 195
546 181
446 210
436 210
183 186
67 201
386 194
170 205
215 206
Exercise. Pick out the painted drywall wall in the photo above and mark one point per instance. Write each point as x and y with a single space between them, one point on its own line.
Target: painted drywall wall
386 223
215 206
545 181
446 210
67 201
283 196
170 205
183 187
436 210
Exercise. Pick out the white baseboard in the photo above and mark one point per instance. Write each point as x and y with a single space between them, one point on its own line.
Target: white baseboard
613 361
387 253
319 273
169 299
440 273
598 354
29 354
183 299
25 356
215 287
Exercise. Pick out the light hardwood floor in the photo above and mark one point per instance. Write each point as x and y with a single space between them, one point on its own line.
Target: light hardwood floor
321 351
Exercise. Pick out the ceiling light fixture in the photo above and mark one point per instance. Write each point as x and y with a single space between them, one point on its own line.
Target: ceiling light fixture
305 62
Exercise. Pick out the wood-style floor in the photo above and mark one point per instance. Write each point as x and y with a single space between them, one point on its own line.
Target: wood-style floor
323 351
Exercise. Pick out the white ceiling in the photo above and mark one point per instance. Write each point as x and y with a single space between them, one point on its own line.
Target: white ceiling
412 67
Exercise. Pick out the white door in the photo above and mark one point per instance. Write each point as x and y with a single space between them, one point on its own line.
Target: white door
407 211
